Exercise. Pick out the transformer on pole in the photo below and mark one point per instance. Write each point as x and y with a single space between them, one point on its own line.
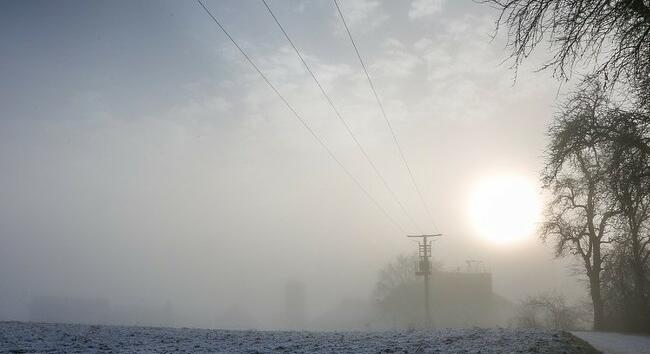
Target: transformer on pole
424 269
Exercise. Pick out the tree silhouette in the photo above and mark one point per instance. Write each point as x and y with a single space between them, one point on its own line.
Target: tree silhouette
580 215
615 32
629 175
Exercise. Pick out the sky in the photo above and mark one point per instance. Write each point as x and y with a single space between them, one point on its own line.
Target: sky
144 161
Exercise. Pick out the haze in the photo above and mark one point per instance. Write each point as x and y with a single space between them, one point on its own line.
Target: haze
145 163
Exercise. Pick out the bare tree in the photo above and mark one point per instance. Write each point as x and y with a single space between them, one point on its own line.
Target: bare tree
579 217
629 175
396 289
548 311
617 31
527 315
394 274
598 165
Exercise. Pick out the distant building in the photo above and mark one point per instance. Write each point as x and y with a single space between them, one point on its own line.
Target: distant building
348 314
143 314
294 304
458 299
235 317
69 310
98 311
466 299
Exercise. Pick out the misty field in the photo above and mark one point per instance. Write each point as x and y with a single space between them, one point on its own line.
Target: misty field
21 337
334 176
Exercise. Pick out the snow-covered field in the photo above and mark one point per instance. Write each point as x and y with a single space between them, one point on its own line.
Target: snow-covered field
20 337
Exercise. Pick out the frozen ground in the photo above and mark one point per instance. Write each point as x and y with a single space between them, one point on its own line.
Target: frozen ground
616 343
19 337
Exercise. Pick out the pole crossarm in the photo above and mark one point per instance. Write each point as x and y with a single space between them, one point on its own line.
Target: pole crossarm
425 236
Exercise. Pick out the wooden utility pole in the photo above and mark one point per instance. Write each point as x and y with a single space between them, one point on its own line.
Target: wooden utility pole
424 269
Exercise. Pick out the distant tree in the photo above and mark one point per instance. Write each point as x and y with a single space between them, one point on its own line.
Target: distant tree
396 287
527 315
395 274
548 311
579 217
396 290
615 31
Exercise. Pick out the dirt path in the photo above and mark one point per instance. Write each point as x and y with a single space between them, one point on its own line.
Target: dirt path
616 343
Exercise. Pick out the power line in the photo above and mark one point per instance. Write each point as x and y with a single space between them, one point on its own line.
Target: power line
383 112
338 114
300 118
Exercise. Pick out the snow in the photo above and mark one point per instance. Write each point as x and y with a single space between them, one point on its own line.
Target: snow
616 343
21 337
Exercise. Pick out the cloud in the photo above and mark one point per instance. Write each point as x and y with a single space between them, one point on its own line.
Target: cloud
463 77
397 62
205 108
422 8
452 54
363 15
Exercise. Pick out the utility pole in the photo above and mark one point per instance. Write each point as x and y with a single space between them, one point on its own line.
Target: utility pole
424 269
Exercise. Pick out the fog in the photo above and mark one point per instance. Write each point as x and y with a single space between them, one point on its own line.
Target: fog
148 172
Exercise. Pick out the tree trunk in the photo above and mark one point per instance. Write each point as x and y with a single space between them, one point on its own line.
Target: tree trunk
597 300
640 304
640 316
594 287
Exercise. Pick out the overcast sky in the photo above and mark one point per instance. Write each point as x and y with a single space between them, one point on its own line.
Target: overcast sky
142 159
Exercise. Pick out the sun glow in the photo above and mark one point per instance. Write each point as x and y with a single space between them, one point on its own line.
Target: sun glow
504 208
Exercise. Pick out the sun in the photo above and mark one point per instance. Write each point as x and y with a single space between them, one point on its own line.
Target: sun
504 208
